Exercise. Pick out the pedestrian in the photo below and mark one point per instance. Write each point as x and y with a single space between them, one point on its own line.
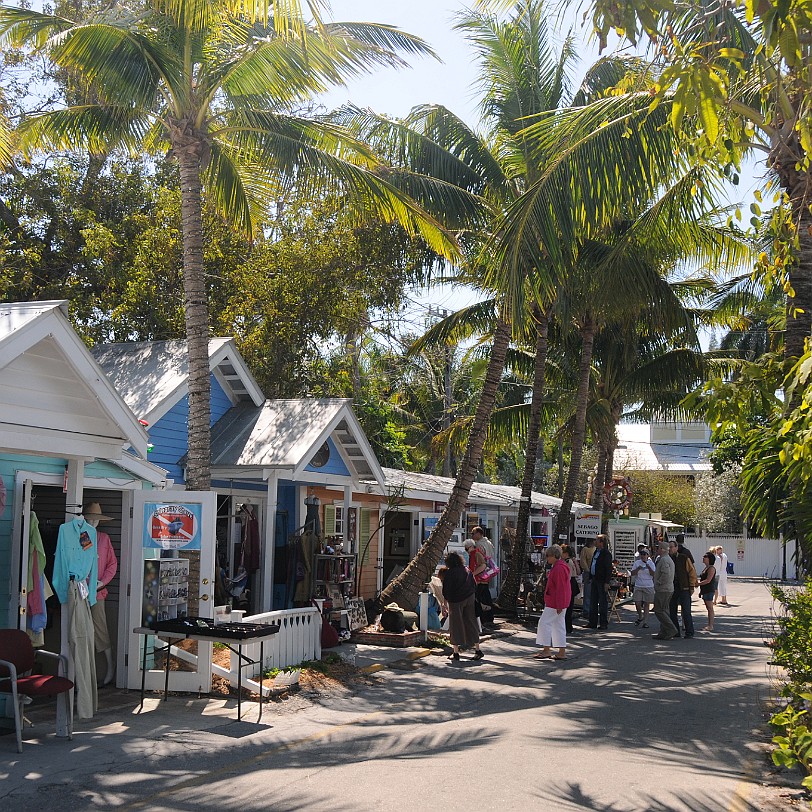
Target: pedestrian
643 574
663 589
708 583
585 559
458 591
483 543
566 554
601 572
552 630
684 582
478 564
721 571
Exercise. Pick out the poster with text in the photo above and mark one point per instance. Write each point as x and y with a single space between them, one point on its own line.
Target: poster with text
172 526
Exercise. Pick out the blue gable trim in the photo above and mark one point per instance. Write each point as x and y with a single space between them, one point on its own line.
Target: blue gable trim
170 435
335 465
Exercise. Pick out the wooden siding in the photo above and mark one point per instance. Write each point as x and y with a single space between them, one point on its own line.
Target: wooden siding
335 465
170 435
41 390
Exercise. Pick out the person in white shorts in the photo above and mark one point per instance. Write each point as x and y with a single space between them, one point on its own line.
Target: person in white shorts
643 574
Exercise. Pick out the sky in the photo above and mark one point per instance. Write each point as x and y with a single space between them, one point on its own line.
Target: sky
450 82
428 81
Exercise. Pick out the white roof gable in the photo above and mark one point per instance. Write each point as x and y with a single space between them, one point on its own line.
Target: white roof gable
152 375
54 397
286 434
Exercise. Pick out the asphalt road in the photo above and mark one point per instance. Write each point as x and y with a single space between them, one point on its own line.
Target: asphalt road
627 723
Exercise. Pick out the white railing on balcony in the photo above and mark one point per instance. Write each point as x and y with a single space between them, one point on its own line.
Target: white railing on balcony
298 639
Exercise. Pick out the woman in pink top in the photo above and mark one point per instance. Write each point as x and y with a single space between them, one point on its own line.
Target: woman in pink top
552 630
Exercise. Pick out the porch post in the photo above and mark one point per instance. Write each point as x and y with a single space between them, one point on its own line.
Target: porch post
347 501
269 548
74 496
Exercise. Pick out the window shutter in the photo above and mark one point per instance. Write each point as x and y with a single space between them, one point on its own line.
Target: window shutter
329 520
363 534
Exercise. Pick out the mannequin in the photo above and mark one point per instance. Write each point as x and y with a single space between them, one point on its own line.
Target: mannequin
74 581
108 566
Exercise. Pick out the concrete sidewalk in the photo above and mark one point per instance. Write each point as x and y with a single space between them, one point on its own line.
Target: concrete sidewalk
626 724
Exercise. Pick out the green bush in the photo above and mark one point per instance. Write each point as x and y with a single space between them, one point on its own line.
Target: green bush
792 649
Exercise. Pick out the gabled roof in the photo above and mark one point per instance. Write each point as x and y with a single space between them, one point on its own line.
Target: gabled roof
55 398
636 452
286 434
152 375
430 486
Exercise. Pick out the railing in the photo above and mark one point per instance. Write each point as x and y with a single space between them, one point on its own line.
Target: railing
299 639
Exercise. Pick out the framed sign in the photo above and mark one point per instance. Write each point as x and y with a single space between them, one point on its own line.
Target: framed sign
172 526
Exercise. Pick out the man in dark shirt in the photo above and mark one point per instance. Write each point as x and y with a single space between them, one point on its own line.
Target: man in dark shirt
601 571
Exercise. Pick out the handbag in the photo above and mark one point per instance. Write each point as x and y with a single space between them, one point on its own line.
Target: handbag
490 570
729 568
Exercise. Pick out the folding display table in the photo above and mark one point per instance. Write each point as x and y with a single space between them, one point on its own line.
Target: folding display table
205 630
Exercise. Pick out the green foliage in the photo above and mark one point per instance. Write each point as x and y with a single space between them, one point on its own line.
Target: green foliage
792 649
655 492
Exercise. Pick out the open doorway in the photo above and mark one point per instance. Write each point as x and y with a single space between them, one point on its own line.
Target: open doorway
48 503
397 544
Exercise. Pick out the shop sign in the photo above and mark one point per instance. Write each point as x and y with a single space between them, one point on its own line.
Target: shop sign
172 526
624 545
588 523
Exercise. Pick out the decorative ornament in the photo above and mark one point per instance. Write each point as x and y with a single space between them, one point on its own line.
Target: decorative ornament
617 495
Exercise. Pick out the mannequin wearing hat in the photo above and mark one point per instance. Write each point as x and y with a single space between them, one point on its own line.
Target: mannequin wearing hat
108 566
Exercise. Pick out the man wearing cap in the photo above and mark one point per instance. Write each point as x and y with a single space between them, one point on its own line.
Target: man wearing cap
108 566
477 565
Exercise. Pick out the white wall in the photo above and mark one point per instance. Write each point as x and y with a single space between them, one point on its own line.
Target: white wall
762 557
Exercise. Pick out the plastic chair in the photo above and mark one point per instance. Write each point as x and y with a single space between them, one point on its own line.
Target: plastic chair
17 657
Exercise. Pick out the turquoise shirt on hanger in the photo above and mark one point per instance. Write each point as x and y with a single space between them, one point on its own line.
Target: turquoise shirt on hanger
76 555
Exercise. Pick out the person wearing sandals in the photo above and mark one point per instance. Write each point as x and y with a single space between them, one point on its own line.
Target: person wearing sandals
458 591
708 582
552 631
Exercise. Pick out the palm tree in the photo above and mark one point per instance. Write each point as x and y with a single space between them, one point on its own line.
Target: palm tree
215 84
522 75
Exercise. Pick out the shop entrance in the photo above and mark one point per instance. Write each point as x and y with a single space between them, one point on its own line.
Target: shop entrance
171 579
48 504
397 544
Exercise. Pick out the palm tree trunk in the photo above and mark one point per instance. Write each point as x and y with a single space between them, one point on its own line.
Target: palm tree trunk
600 476
509 592
189 152
562 525
404 589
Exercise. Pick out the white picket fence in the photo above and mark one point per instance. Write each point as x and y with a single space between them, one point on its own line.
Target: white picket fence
760 558
298 639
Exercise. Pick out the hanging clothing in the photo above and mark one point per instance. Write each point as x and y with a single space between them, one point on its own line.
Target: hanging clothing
81 641
108 563
76 556
250 540
39 590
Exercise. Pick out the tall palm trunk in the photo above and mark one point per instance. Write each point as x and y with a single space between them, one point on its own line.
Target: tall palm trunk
787 159
562 526
405 588
510 586
600 476
189 151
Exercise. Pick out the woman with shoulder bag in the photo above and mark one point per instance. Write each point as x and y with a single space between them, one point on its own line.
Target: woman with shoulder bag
458 591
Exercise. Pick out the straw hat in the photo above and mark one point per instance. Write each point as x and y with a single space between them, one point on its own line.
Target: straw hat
94 511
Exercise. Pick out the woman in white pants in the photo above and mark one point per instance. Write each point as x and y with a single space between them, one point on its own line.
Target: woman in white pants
552 630
721 569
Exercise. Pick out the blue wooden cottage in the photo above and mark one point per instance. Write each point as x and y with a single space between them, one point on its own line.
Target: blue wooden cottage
267 455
